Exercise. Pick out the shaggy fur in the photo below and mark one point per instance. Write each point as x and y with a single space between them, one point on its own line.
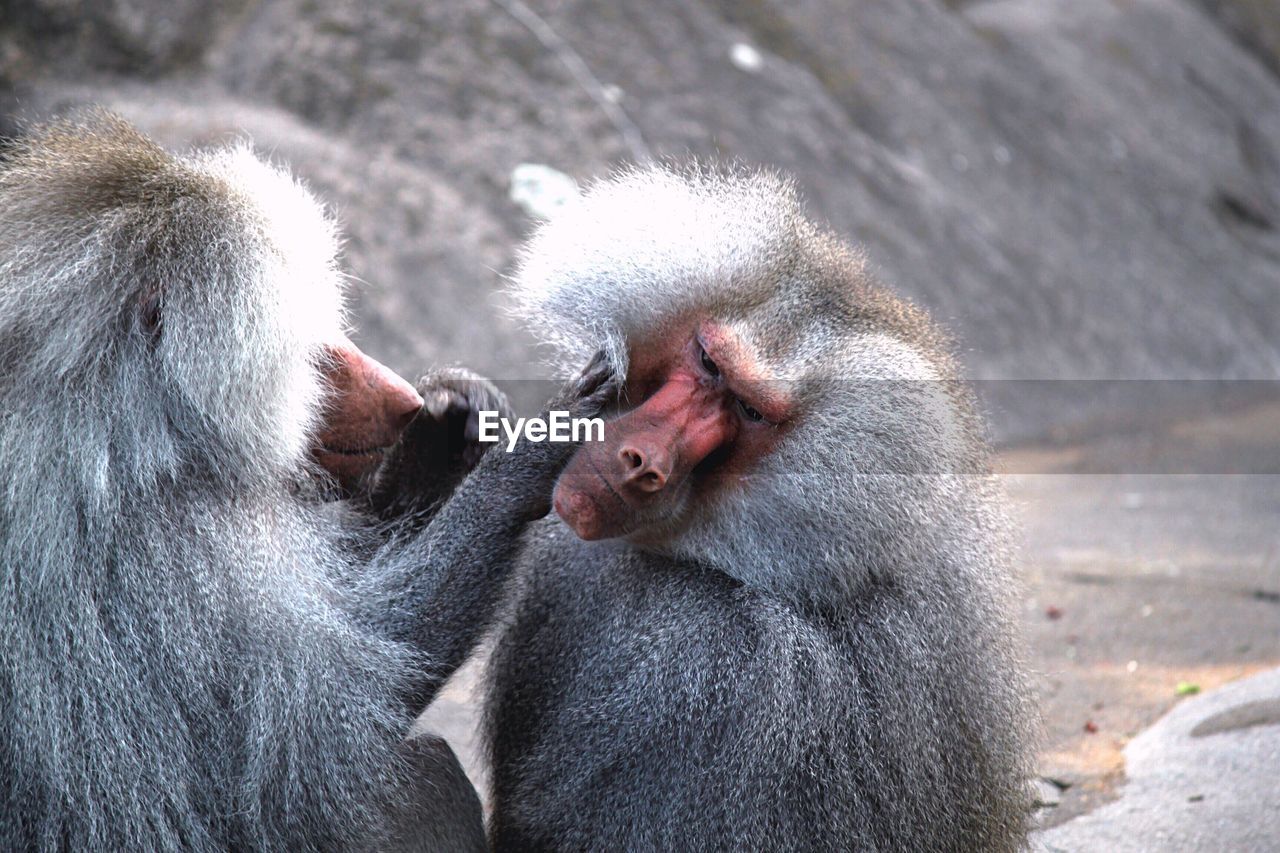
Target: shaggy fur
193 652
821 658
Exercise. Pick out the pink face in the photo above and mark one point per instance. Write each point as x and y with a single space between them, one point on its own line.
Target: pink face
704 418
367 409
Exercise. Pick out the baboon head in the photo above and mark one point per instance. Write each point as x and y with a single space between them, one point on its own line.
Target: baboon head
777 400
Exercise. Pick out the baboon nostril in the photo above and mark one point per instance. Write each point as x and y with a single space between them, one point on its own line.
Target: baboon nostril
633 459
639 470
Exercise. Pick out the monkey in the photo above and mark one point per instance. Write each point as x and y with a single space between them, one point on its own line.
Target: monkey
198 652
773 609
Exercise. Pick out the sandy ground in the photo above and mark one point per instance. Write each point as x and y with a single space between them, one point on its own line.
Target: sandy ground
1136 583
1199 779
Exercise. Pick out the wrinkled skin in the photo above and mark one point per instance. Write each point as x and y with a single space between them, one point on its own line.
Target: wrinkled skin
703 417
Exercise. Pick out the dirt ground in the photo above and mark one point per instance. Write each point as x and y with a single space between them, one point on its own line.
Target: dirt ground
1136 584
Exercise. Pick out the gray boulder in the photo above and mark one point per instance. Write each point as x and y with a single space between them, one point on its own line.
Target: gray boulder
1080 189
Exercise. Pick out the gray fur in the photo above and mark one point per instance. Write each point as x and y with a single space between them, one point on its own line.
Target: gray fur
196 652
822 658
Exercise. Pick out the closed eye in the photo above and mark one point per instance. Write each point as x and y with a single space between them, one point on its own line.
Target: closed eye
708 364
748 412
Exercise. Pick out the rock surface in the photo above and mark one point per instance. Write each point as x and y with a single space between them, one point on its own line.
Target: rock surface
1200 779
1079 188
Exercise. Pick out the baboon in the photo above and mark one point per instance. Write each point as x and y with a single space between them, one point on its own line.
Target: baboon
775 610
200 648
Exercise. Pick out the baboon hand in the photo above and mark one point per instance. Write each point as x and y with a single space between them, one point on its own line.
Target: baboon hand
452 401
598 385
441 445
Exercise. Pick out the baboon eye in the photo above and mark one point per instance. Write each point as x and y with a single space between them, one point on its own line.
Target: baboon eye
751 414
707 364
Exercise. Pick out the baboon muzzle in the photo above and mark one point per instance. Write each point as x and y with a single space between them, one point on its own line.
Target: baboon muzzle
611 487
368 406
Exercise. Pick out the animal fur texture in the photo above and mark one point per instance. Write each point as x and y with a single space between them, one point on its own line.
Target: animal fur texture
823 657
195 651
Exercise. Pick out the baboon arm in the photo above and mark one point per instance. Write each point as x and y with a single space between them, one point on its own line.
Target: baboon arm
438 590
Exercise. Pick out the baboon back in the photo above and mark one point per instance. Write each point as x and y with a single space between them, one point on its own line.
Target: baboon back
643 703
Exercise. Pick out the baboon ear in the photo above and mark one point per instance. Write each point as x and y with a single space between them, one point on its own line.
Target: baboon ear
150 314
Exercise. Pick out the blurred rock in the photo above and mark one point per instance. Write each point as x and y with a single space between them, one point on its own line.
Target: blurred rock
1078 188
1194 780
132 36
746 57
1256 23
1047 794
541 191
